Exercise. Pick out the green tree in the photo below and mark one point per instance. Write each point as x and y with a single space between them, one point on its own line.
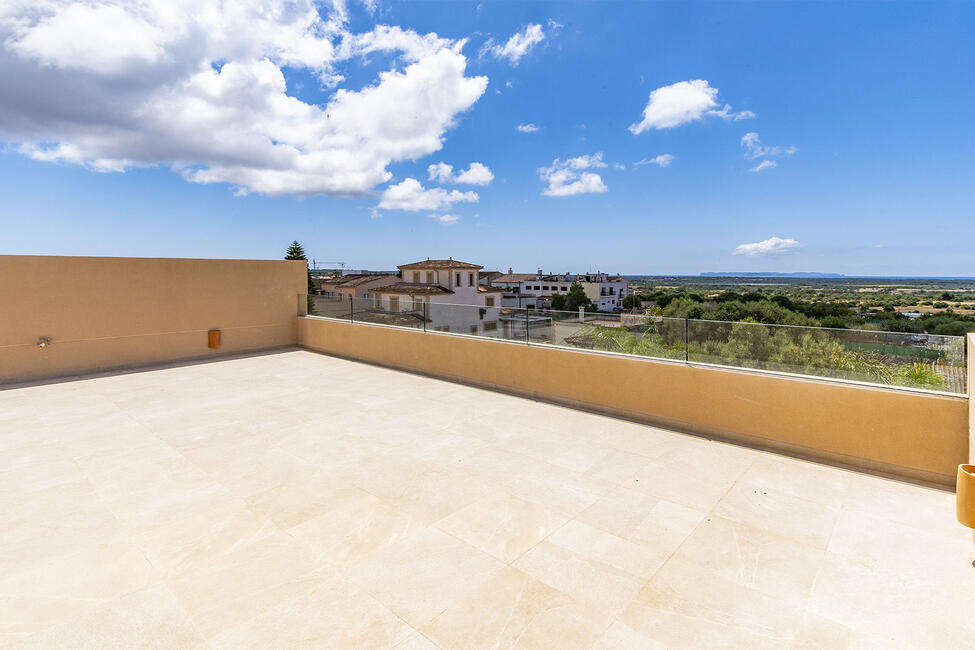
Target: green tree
632 301
296 252
577 298
558 302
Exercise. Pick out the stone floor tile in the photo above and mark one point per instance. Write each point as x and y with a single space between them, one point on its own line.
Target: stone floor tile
502 525
805 521
602 589
423 574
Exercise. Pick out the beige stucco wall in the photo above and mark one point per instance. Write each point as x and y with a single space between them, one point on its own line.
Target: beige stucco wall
971 401
910 433
115 312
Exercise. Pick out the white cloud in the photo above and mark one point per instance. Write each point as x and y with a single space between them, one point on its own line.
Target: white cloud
410 195
526 128
569 177
198 86
476 174
516 47
762 166
682 103
662 160
444 219
770 246
619 166
440 172
755 149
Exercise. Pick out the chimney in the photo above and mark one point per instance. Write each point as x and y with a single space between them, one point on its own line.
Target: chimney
539 271
509 270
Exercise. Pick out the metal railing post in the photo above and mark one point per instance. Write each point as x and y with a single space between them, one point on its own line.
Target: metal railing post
425 316
351 309
527 339
686 342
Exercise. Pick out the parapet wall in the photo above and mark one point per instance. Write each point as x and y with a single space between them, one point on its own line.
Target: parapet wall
102 313
909 433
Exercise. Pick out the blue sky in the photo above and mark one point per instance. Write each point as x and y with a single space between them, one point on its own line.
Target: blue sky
864 109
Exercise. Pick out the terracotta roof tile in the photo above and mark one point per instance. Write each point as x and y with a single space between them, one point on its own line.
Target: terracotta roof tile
440 264
414 289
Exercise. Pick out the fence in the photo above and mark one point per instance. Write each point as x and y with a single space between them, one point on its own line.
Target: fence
894 359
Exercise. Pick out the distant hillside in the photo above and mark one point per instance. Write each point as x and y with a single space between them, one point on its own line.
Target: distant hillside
770 274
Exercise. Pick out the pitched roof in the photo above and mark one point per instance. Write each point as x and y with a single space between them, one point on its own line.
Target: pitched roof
355 279
515 277
414 289
440 264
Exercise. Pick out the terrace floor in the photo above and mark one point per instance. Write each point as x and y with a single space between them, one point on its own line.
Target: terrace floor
295 499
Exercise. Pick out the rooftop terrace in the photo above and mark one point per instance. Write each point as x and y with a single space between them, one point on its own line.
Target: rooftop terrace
299 499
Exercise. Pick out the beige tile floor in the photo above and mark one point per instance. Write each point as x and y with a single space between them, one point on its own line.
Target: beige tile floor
297 500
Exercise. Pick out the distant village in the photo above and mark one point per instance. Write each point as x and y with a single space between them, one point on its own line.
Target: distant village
452 281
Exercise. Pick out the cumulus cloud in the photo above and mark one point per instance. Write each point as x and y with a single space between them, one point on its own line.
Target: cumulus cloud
770 246
526 128
411 195
754 148
682 103
663 160
762 166
516 47
476 174
569 177
199 86
444 219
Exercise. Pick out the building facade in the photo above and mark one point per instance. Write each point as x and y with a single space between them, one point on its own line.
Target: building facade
354 285
535 290
447 293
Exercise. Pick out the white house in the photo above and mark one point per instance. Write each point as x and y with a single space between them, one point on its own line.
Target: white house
448 293
535 291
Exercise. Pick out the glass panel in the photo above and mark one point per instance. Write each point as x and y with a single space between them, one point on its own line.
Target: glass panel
914 360
335 307
895 359
491 322
637 334
399 310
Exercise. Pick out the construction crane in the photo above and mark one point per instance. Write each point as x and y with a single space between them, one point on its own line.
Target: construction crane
314 265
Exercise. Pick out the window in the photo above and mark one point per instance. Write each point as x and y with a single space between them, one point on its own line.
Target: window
537 287
394 303
489 301
473 329
470 279
565 288
544 287
416 276
457 278
430 279
491 327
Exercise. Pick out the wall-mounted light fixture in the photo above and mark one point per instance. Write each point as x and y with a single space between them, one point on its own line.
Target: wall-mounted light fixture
43 342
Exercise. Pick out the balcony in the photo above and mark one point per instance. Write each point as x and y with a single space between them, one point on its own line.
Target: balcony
282 496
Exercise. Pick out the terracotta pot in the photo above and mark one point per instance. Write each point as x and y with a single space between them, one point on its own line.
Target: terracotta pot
965 495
